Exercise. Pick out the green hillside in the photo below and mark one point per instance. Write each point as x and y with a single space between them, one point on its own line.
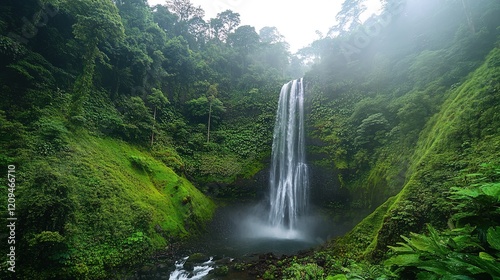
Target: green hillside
453 183
99 205
122 126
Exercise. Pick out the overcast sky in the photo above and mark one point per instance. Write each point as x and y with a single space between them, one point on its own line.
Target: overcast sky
296 20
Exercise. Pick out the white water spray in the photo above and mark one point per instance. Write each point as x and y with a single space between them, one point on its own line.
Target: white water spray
289 179
199 271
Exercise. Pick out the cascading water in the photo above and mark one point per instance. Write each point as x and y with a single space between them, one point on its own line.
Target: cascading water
246 230
289 179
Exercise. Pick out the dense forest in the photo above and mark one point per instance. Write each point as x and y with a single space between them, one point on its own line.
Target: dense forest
123 127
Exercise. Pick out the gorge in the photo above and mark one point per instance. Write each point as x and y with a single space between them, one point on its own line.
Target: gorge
142 135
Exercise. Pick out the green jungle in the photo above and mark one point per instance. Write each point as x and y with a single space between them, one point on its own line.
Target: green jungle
124 127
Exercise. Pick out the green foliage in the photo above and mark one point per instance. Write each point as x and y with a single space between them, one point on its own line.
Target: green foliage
463 252
221 270
221 167
426 66
394 78
105 210
372 129
46 237
201 106
478 204
157 98
35 69
13 140
360 270
90 205
308 271
452 254
137 119
102 116
170 157
446 146
493 238
96 22
52 134
337 277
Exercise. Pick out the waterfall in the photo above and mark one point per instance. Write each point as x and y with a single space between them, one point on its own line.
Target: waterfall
289 179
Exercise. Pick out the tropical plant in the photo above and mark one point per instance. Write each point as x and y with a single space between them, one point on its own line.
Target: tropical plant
470 251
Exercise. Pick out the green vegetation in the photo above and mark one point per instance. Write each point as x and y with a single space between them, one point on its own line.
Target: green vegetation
450 194
410 130
99 205
471 249
123 119
119 117
368 109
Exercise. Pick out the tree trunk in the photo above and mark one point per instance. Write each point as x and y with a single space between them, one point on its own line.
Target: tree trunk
153 129
209 117
469 20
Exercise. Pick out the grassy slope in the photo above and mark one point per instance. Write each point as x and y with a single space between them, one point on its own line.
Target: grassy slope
120 203
462 135
143 180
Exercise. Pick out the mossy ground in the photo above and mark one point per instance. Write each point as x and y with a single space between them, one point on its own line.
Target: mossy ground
111 204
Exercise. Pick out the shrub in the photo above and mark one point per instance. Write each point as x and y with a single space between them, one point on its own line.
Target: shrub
472 250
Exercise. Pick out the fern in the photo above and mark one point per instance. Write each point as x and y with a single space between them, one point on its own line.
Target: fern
479 203
493 238
470 251
448 254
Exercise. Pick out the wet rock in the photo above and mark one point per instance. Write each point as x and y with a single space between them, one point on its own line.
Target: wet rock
267 256
224 261
163 267
146 268
221 270
188 266
258 268
217 257
198 258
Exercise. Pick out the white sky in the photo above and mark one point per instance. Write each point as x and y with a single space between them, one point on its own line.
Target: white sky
296 20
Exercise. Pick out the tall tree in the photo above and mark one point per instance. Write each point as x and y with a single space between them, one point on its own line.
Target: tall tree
158 100
245 40
97 21
349 16
224 24
190 23
274 50
270 35
211 96
207 105
185 10
165 19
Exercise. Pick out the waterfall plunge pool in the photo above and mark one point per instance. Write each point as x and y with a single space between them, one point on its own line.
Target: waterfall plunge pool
284 223
241 232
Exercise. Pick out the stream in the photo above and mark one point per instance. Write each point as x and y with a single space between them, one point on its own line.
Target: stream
240 233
